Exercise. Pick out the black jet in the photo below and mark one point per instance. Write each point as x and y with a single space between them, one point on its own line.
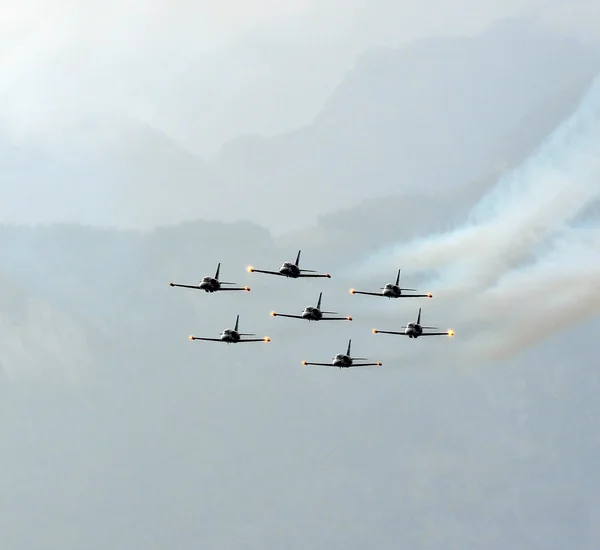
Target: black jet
233 336
345 361
291 270
212 284
314 313
415 330
393 290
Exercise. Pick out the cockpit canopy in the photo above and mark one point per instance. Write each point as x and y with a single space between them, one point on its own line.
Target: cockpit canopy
389 286
206 279
410 325
339 356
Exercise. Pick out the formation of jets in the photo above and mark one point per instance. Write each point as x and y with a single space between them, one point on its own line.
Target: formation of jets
315 313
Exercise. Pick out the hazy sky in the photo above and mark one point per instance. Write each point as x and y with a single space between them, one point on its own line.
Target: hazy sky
206 72
118 432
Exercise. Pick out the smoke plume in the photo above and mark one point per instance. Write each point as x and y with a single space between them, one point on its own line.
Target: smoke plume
523 266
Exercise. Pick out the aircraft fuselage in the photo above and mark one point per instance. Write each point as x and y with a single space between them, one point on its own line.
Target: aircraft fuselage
209 284
230 336
391 291
288 269
413 330
311 313
341 361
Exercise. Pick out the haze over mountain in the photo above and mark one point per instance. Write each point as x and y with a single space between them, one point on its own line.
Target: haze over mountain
433 116
120 433
205 73
436 114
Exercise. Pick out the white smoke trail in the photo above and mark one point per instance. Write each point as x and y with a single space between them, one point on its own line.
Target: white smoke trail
528 205
524 307
528 304
519 270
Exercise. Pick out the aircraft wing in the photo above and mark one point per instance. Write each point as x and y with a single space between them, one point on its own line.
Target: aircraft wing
415 296
240 288
266 339
375 331
449 333
342 366
336 319
206 339
274 314
253 270
186 286
315 275
367 293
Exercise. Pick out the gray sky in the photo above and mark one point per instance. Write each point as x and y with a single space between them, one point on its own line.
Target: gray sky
206 72
118 432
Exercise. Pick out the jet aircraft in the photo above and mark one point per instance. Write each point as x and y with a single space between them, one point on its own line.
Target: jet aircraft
232 336
344 361
313 313
415 330
291 270
211 284
393 291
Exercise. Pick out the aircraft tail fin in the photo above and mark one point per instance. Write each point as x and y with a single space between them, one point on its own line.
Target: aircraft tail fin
217 272
237 323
